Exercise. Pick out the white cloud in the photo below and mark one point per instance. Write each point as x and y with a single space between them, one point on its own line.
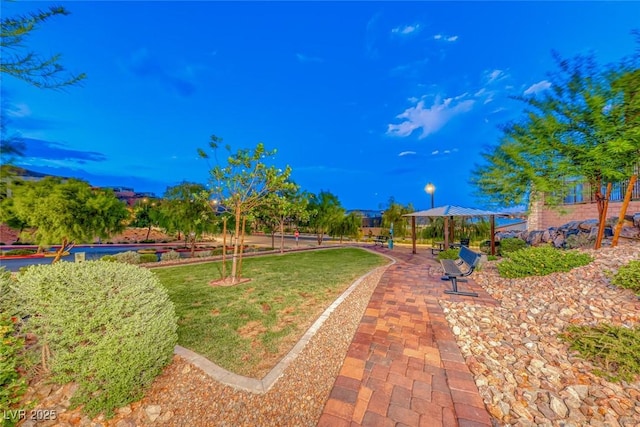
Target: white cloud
442 37
18 110
406 29
305 58
494 75
407 153
435 152
429 119
538 87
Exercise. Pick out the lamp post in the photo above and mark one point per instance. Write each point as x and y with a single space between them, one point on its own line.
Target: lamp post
430 189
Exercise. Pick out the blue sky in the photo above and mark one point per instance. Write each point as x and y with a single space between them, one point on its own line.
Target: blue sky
367 100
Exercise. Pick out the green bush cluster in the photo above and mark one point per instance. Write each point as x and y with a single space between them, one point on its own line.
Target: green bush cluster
204 254
109 327
144 258
19 252
580 240
628 276
8 296
169 256
511 244
12 384
109 258
540 261
449 254
129 257
614 349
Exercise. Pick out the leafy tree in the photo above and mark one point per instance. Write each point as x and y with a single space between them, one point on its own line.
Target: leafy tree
349 226
577 131
393 215
29 66
185 210
325 213
280 207
146 214
243 185
68 211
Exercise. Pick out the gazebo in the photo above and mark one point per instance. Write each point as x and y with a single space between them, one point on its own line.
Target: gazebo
450 211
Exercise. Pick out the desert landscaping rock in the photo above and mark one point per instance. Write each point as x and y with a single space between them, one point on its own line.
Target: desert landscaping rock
525 373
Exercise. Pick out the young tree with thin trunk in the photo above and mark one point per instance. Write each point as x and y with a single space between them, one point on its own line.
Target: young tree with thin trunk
185 210
242 185
281 206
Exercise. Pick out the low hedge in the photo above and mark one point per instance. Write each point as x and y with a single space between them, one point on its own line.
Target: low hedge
110 327
540 261
511 244
628 276
449 254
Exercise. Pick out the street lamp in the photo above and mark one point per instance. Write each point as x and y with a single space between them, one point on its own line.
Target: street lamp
430 189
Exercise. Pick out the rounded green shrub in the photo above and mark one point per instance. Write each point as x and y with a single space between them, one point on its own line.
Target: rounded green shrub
169 256
129 257
144 258
449 254
109 258
628 276
511 244
109 327
540 261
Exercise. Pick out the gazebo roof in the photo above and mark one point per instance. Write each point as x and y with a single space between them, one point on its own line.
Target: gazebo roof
450 210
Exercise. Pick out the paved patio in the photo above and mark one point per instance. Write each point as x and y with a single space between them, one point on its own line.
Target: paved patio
403 367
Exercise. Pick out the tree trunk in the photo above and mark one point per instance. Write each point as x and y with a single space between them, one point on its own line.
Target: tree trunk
603 218
273 238
60 251
224 248
148 232
244 221
236 243
193 245
623 210
282 236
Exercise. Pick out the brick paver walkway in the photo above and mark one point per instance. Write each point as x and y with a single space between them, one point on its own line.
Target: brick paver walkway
403 367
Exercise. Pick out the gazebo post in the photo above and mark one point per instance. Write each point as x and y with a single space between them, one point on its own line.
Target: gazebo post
446 232
413 233
493 233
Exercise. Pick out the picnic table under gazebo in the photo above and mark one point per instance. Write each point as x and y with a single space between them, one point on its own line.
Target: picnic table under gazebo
449 212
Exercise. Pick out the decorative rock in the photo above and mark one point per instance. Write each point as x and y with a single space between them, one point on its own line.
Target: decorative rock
558 406
552 384
153 412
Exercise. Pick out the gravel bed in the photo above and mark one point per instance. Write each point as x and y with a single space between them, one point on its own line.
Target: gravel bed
526 375
185 396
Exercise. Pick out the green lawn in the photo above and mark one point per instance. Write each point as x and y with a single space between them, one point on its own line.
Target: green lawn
249 327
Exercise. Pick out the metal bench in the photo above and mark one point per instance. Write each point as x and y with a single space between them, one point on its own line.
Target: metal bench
463 266
380 240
